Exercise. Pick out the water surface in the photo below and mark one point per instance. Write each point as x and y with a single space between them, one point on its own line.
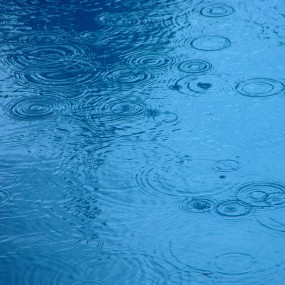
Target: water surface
142 142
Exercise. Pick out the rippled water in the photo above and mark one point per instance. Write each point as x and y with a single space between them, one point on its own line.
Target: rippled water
142 142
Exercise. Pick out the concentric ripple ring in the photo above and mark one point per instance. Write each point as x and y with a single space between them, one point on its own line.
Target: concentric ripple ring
262 194
211 43
260 87
34 108
216 11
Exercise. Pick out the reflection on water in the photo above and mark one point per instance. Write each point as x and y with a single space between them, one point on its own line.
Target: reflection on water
142 142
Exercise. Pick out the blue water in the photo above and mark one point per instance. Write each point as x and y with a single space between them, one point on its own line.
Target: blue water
142 142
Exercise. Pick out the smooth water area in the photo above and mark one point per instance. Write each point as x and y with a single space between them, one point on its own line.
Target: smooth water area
142 142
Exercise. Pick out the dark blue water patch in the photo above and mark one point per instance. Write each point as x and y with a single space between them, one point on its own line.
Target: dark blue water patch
127 32
61 6
226 165
39 38
217 10
150 5
260 87
3 20
233 209
195 66
115 30
111 21
89 282
211 43
119 19
197 205
262 194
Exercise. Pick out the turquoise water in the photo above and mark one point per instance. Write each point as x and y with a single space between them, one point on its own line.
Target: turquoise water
142 142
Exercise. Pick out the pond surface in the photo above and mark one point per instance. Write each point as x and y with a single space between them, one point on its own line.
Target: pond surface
142 142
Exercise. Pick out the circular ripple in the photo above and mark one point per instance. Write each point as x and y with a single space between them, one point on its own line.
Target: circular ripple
197 205
226 165
216 11
149 60
72 72
228 252
111 108
126 109
42 37
175 21
260 87
179 177
196 66
128 78
197 86
121 116
45 56
234 263
272 220
210 43
262 194
34 108
232 208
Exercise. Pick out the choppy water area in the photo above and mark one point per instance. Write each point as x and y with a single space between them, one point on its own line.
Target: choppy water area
142 142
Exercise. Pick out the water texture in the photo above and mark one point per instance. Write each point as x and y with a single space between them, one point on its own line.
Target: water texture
142 142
